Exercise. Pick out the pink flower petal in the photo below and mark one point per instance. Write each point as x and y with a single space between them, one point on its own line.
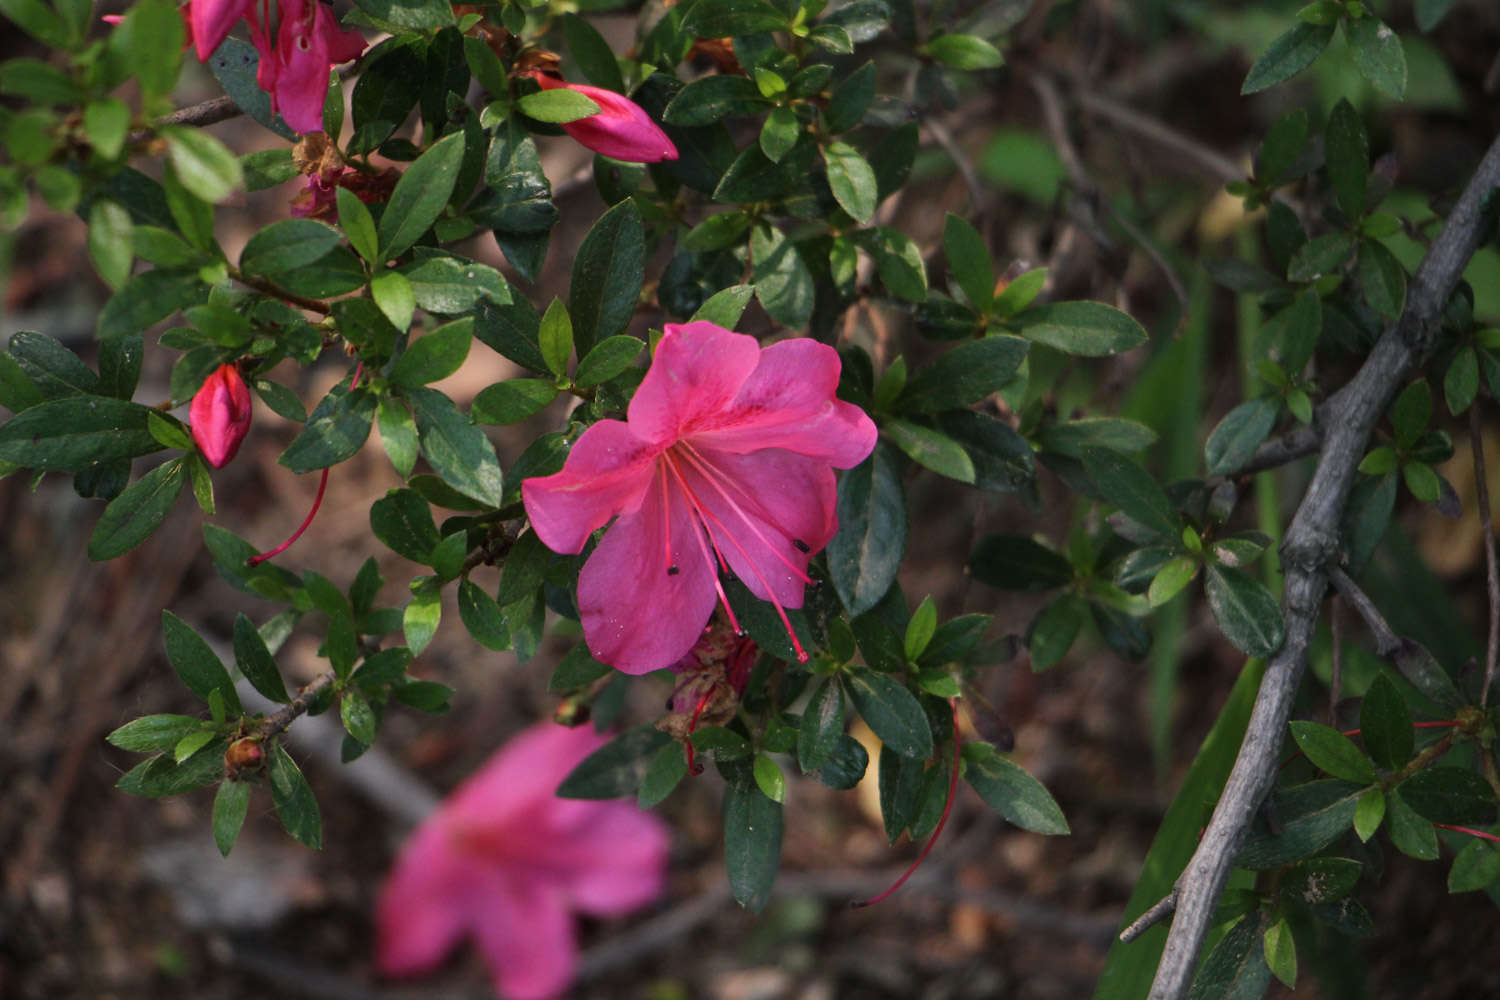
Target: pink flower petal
760 505
697 371
621 130
605 474
788 402
637 616
526 935
219 415
210 21
614 857
517 784
420 916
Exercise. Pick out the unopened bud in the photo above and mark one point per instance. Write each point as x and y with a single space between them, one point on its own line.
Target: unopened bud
220 415
243 755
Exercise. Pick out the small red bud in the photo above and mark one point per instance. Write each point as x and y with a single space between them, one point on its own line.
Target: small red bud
220 415
243 755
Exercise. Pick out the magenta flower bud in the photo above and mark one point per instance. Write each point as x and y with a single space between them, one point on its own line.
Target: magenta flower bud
621 130
220 415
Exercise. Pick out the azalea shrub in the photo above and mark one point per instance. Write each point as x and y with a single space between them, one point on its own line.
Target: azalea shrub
750 370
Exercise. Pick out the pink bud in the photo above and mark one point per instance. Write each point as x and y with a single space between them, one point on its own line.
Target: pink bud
220 415
621 130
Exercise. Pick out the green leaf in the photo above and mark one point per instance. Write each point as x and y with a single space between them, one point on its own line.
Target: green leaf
1170 580
1281 953
359 225
1381 279
725 306
965 52
1326 254
39 21
1378 55
296 806
162 776
1423 670
1235 438
1333 752
592 53
254 660
920 630
1410 834
398 434
849 100
557 106
1006 788
1245 610
109 241
969 262
148 298
1133 490
780 133
1431 12
752 842
513 400
725 18
707 100
204 165
783 282
1411 412
409 13
420 195
821 727
1287 56
482 616
769 779
900 786
154 733
1347 154
555 338
1369 812
1002 459
231 805
357 716
423 614
1477 866
930 448
663 774
196 663
1088 329
1385 724
866 553
1280 149
898 260
846 765
1452 795
236 64
1312 815
456 449
607 275
615 770
1014 562
1053 629
608 359
335 430
435 355
287 246
852 180
403 522
964 375
137 511
892 712
449 285
1236 969
1461 381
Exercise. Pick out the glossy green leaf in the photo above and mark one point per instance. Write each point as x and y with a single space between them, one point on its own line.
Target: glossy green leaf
866 553
231 805
615 770
457 450
1332 751
1246 611
1088 329
287 246
1378 55
752 844
137 511
420 195
1234 439
195 662
1006 788
1288 55
1018 563
607 276
296 806
964 375
435 355
255 662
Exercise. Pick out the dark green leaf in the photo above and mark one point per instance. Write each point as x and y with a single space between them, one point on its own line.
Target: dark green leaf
137 511
296 806
196 663
898 260
1014 562
1311 815
357 716
335 430
1278 153
517 198
1423 670
1332 751
420 195
783 282
154 733
592 53
892 712
1236 969
969 261
450 285
851 179
482 616
846 766
1245 610
1089 329
724 18
287 246
1346 150
1378 54
1236 437
1002 459
1450 795
1006 788
231 804
1385 724
752 843
822 726
513 400
663 774
1477 866
1052 631
457 450
900 780
1133 490
162 776
609 358
615 770
1461 381
148 299
964 375
1288 55
607 276
409 13
255 661
403 521
866 553
711 98
1321 880
1325 255
1381 279
435 355
849 100
1410 834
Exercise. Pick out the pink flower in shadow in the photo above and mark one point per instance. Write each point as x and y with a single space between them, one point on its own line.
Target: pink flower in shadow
725 462
506 862
220 415
621 130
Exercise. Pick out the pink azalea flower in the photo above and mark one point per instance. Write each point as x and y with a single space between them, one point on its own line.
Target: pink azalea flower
210 21
726 461
621 130
507 862
295 71
220 415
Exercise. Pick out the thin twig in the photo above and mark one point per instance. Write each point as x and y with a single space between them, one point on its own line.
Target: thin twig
275 723
1311 547
944 138
1289 447
275 291
1162 909
210 112
1491 571
1386 639
1211 161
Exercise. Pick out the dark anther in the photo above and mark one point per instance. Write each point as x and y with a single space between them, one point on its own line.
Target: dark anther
801 545
696 769
673 570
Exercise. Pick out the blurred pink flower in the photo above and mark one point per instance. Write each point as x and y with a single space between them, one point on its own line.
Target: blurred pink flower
621 130
294 70
726 461
220 415
507 862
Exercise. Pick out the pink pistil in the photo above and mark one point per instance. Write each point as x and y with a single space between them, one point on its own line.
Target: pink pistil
1472 833
943 821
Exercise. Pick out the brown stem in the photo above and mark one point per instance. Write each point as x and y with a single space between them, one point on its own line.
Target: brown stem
210 112
1386 639
276 292
275 723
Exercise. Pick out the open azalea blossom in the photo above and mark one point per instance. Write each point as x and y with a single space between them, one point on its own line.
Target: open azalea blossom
293 69
506 862
220 415
621 130
725 461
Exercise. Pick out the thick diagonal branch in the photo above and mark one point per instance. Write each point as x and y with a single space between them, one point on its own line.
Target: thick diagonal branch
1312 546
